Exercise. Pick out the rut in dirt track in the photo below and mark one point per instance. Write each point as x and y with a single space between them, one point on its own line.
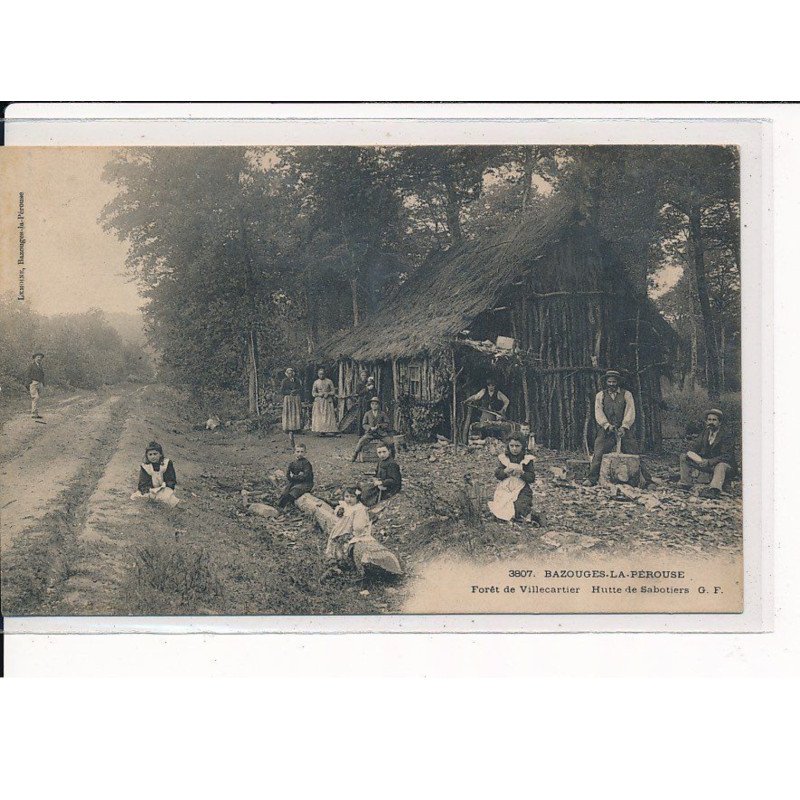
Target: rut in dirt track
46 489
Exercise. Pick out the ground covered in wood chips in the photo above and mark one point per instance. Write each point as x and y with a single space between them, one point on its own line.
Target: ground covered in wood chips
83 547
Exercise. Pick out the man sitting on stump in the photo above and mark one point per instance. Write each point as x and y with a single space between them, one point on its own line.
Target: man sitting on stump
615 413
376 427
712 452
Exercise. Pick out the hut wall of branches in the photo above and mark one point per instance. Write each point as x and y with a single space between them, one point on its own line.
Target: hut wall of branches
555 287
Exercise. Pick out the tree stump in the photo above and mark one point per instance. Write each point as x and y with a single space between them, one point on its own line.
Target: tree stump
368 454
367 554
620 468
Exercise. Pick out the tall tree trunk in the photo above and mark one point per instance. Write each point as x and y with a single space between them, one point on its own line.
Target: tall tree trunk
354 293
252 337
722 357
528 163
453 211
312 329
252 372
701 282
693 354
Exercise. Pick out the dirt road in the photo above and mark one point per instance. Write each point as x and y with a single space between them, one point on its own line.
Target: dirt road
40 461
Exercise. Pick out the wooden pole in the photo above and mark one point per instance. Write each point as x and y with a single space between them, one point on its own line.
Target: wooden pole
396 390
454 421
642 415
342 393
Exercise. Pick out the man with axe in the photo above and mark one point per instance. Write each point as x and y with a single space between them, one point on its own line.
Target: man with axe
615 413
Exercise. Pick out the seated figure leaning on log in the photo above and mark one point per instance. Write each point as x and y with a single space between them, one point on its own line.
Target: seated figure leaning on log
614 413
387 481
376 427
351 545
352 524
493 405
713 452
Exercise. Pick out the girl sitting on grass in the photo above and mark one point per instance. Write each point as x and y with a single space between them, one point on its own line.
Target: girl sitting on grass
156 477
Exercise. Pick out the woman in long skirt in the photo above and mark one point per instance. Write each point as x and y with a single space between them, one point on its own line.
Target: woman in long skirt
323 416
292 391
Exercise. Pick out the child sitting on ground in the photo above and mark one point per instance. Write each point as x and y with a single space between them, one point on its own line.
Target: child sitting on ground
156 477
299 477
352 525
513 497
387 481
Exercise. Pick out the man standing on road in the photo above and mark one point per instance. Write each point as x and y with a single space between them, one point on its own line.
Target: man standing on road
36 383
614 413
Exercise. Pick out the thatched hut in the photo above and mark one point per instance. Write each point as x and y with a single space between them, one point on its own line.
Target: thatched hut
552 285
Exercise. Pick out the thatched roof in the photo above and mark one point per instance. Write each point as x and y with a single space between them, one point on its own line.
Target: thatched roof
439 301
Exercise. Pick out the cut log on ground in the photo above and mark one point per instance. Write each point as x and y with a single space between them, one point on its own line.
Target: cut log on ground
367 553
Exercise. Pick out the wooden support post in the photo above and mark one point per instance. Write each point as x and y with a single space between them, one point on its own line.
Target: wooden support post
396 399
526 394
454 412
341 406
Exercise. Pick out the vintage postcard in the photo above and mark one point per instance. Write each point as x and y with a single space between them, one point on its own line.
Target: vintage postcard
376 379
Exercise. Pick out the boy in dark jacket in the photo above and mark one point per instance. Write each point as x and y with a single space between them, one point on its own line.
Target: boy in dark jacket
714 451
388 480
299 476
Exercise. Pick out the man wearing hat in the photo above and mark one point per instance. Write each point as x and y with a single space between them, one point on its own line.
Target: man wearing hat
615 413
35 379
376 426
713 452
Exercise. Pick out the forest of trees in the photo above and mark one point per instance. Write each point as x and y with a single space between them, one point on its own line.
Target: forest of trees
249 258
82 350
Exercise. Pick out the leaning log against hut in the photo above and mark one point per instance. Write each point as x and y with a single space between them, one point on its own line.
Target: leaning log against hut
550 283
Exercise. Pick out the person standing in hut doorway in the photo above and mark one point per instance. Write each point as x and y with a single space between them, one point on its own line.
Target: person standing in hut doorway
614 413
365 389
494 405
36 384
323 415
292 391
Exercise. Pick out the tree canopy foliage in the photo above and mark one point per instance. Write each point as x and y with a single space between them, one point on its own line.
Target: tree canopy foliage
249 258
81 350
